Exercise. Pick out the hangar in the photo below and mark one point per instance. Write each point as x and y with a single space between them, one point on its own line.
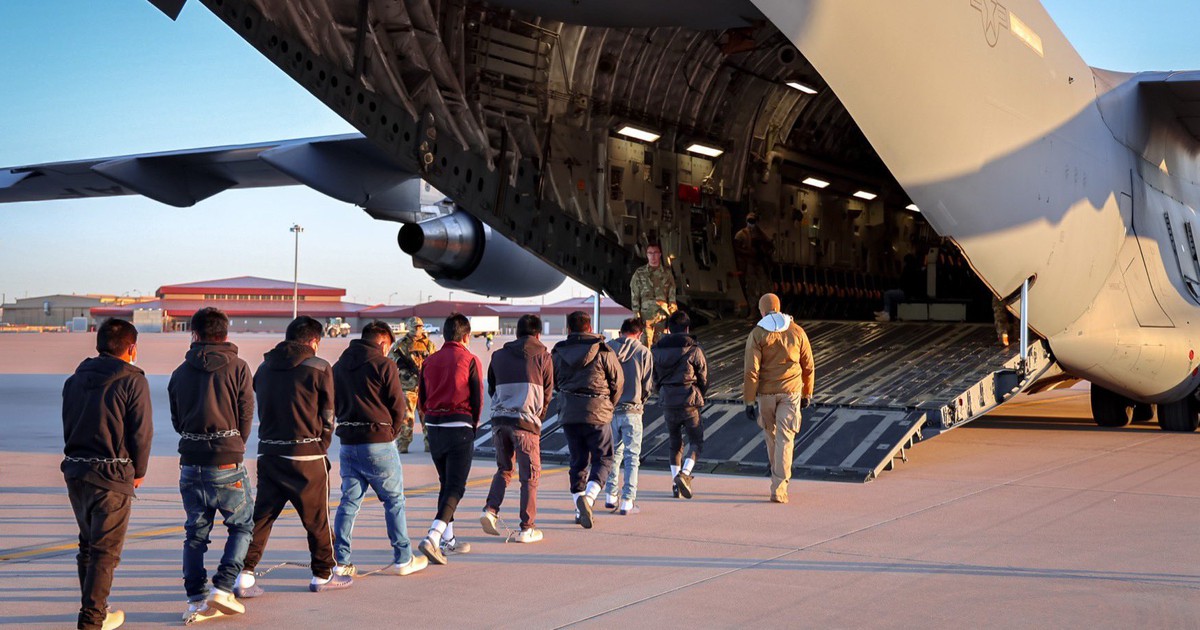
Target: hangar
253 305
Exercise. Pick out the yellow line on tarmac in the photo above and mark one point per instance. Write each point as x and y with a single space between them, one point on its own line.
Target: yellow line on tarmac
175 529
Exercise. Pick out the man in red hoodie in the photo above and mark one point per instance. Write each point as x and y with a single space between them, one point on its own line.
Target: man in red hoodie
450 398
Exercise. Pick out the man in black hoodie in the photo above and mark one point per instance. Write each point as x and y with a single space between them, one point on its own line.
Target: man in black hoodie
520 380
212 408
107 429
588 377
371 409
681 379
295 413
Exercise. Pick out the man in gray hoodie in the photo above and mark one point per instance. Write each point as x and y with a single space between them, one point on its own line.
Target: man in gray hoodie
637 367
588 378
520 380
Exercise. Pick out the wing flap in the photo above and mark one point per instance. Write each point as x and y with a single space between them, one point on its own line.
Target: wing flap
176 178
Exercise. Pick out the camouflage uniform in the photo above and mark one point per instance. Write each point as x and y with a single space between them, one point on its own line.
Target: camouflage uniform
409 352
652 290
1006 324
753 250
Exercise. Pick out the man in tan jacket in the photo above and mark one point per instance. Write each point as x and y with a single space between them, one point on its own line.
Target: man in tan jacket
779 375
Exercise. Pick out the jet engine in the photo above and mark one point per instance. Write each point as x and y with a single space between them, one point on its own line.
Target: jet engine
461 252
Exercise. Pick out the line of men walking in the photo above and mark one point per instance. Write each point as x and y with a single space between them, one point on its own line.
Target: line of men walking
302 400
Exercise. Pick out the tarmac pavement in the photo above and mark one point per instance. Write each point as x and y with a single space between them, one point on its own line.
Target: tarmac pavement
1037 518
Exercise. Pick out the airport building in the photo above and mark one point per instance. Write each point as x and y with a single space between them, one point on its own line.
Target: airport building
56 310
253 305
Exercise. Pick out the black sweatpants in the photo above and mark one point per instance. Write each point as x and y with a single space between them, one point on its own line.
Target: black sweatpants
452 449
591 449
304 484
680 419
103 517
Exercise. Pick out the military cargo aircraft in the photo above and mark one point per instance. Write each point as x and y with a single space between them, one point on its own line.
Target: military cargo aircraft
968 134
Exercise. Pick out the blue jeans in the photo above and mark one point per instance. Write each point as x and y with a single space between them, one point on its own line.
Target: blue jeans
207 490
627 445
378 466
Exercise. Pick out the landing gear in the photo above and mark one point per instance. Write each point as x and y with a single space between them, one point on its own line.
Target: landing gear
1180 415
1110 409
1143 412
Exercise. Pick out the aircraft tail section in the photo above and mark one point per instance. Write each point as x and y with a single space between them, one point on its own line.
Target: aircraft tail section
986 115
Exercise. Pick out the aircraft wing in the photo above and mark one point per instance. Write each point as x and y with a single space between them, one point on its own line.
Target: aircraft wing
346 167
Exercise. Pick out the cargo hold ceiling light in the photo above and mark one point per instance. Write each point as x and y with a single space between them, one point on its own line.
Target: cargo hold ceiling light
638 134
704 149
862 194
913 207
796 85
814 182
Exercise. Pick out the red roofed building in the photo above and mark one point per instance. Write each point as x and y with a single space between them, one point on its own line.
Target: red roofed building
252 304
265 305
611 313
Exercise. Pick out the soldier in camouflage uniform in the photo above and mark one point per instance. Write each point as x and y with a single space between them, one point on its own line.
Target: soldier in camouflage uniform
1005 323
652 290
409 352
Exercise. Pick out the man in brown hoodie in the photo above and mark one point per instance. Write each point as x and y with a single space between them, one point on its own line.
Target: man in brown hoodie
779 376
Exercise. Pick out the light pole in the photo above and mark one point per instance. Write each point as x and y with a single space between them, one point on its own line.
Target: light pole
296 229
389 300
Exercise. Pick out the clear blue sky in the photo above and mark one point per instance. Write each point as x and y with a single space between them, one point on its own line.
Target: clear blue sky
89 79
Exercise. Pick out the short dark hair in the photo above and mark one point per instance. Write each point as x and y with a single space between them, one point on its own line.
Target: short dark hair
456 327
210 324
633 326
578 321
304 329
679 322
115 337
376 331
529 325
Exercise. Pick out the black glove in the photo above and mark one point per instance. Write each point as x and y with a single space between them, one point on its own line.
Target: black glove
752 413
805 402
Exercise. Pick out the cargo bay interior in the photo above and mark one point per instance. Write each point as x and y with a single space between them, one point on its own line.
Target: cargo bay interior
583 142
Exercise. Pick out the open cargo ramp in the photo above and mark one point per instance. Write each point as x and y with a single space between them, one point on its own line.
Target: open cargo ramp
881 387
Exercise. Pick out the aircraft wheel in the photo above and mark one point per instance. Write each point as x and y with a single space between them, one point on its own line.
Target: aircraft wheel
1178 416
1143 412
1110 409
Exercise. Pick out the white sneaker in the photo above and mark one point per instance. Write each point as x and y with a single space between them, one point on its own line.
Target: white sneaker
114 620
530 535
488 521
883 316
225 602
455 546
346 569
408 568
200 611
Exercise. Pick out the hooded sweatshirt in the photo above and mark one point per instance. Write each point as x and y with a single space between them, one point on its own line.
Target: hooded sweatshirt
680 371
637 369
212 405
778 359
106 415
588 376
520 380
371 406
295 401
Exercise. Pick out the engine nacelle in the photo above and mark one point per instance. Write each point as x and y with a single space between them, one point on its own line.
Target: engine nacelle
460 252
